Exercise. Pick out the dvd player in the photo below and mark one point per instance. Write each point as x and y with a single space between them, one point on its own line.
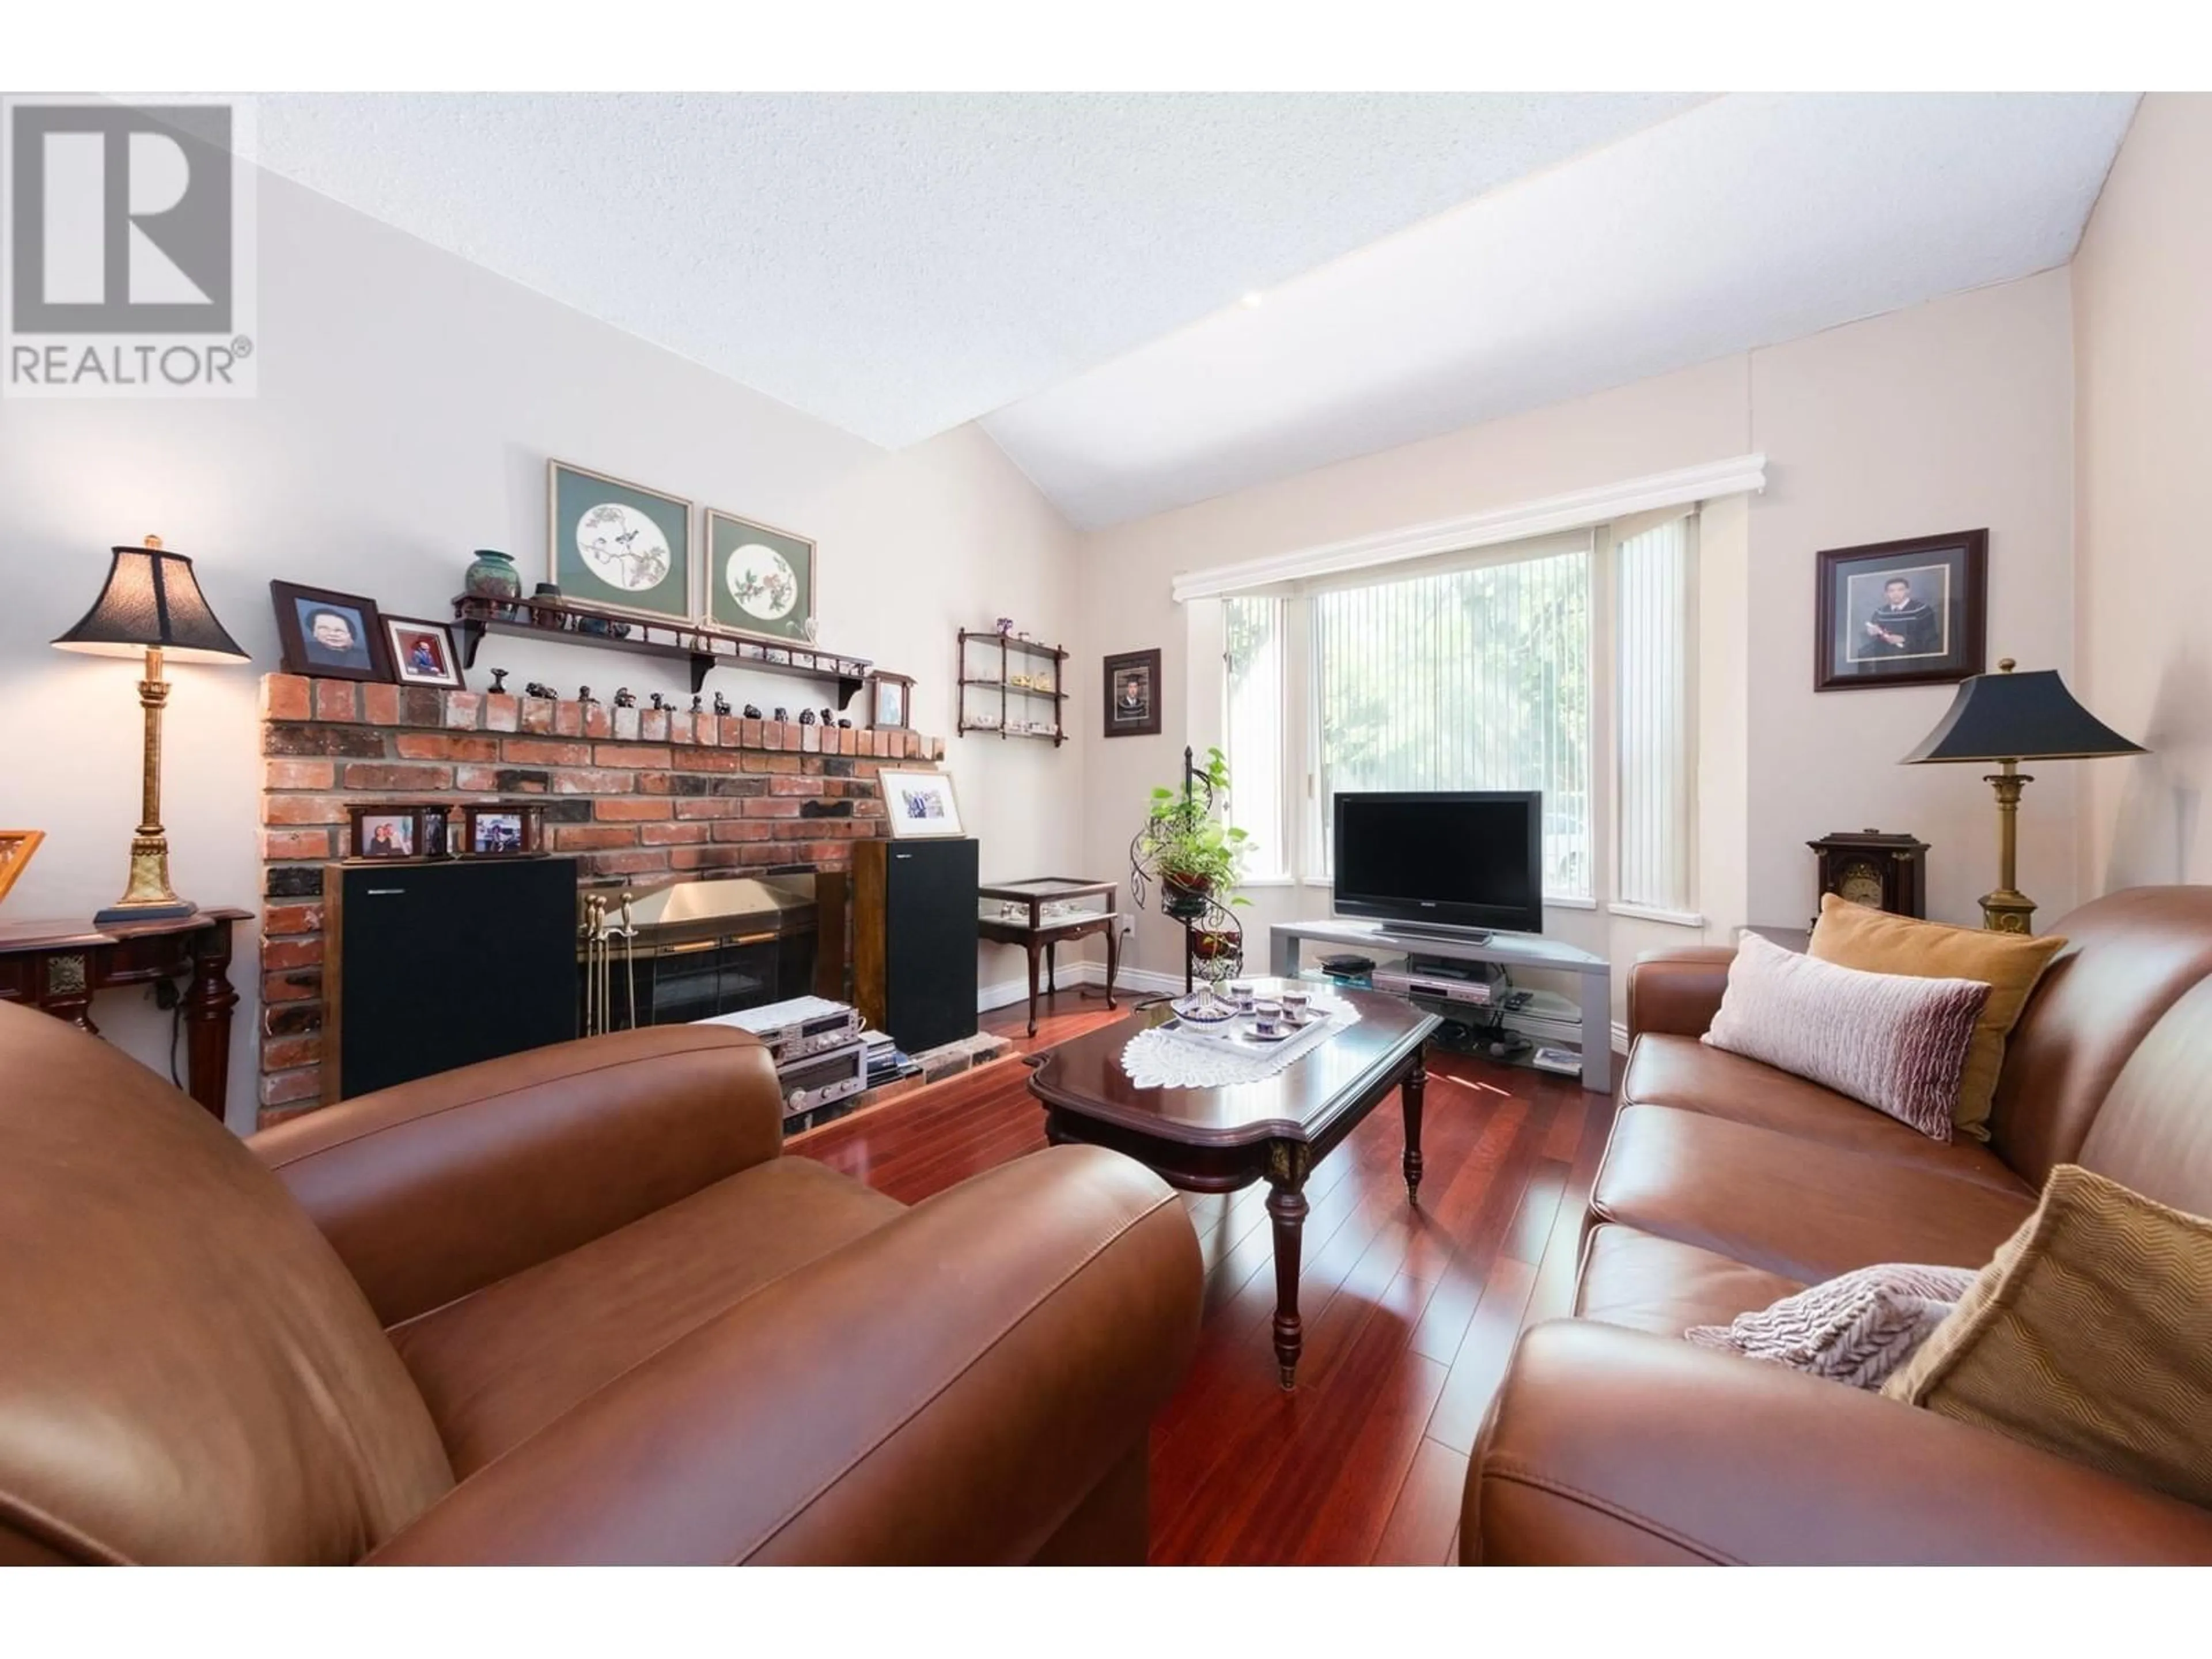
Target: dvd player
1409 982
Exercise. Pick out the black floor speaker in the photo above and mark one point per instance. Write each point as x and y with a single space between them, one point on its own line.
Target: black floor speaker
914 937
431 966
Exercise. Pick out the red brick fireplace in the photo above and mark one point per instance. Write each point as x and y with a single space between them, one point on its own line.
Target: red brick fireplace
633 793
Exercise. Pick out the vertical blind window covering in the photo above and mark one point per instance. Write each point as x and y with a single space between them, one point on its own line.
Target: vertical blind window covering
1254 648
1655 771
1464 679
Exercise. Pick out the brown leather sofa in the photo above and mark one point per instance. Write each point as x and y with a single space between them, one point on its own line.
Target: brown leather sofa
568 1307
1727 1185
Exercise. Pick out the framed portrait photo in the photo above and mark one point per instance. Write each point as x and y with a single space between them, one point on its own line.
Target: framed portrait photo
423 653
921 805
1913 612
890 700
336 636
500 831
617 545
1133 695
759 580
390 835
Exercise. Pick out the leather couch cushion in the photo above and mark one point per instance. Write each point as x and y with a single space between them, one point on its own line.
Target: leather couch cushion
1651 1284
2090 1336
1682 1071
2134 954
497 1366
2155 1132
1853 936
1795 1207
187 1372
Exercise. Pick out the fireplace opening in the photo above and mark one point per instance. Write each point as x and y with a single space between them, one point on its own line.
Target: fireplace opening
690 950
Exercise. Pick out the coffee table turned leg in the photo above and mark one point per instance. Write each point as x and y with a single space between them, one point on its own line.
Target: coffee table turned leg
1286 1209
1410 1093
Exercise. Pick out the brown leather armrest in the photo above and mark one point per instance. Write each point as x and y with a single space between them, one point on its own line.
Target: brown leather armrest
439 1188
947 1389
1612 1445
1679 991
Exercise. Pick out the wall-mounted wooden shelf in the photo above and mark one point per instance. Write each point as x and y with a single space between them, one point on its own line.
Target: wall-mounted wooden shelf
705 647
968 681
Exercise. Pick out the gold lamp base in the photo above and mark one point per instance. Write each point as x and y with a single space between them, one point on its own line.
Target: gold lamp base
2008 908
148 896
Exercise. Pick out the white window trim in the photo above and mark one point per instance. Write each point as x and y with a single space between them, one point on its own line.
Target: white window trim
1580 509
1644 913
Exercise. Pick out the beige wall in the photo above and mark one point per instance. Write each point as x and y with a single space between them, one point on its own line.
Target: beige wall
2142 341
1950 416
409 401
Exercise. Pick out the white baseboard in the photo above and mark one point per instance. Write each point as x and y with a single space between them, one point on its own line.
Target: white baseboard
1005 992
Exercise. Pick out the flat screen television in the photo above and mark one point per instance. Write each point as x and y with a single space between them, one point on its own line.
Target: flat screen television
1471 861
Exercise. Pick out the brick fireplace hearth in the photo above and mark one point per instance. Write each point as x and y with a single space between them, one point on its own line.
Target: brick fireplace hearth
635 794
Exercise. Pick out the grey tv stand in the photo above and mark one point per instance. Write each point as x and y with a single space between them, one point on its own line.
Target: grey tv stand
1513 949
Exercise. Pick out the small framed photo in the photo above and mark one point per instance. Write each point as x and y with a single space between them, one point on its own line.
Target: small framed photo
500 831
760 580
921 805
890 699
390 834
1901 613
423 653
334 636
1133 695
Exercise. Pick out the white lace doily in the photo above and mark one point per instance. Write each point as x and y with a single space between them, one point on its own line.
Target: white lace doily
1164 1057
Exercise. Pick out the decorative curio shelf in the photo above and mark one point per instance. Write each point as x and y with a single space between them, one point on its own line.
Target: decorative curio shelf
977 683
705 647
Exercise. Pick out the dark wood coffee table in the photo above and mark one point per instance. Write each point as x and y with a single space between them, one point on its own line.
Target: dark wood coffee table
1217 1140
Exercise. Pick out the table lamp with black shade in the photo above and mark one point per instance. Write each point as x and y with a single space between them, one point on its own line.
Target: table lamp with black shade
2008 718
151 603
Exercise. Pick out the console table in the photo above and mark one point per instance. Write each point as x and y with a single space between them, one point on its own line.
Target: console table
59 966
1511 950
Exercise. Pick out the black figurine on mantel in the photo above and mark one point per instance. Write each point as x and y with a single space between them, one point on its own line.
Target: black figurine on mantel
499 682
624 697
844 726
698 703
752 711
828 717
584 695
782 714
807 717
721 704
539 688
659 703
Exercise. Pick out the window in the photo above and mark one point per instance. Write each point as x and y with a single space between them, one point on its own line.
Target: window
1493 671
1654 766
1463 679
1253 650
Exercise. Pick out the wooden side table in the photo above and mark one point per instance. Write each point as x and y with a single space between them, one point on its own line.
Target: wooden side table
59 966
1041 935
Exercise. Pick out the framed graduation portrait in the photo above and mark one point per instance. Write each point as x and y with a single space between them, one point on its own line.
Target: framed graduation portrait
1901 613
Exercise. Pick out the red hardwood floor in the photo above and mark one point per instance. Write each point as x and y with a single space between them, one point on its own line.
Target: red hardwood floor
1410 1315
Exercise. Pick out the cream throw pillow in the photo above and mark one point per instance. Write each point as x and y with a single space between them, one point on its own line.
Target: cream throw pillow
2090 1336
1853 936
1895 1042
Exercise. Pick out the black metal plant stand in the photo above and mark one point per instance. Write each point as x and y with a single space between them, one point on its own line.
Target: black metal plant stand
1212 937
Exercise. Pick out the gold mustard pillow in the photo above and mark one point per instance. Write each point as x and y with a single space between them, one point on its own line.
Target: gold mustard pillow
1853 936
2090 1336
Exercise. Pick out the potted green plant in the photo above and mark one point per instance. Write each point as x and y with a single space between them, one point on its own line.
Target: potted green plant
1187 842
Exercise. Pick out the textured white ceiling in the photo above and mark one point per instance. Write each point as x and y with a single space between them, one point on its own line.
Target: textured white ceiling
1746 221
898 264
